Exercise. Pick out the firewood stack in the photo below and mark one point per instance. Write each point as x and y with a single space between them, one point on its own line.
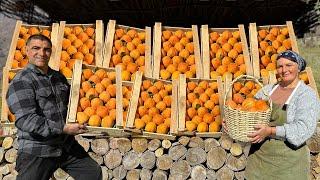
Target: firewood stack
140 158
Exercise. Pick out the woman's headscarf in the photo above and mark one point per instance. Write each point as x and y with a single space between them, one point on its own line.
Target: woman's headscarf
293 56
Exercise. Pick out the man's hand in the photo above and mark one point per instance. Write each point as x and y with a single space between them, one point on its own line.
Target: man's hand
74 129
262 131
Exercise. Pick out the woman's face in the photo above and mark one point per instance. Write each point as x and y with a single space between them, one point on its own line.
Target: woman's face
287 70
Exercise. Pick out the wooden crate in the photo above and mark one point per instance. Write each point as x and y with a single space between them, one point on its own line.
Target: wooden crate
130 126
109 49
7 76
158 53
206 51
97 46
17 36
254 43
182 105
115 131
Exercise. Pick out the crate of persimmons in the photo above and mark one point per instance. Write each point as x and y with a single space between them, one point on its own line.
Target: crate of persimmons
200 107
99 99
153 108
242 111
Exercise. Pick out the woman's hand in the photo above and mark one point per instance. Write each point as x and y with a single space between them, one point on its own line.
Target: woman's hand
262 131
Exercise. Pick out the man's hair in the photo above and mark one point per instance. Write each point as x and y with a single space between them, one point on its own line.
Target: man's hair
39 37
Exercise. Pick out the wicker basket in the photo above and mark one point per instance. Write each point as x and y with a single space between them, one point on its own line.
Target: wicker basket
241 123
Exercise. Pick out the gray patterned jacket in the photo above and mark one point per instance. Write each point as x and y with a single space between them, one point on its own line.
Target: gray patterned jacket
303 112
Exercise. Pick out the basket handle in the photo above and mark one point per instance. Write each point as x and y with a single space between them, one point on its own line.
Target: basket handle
248 77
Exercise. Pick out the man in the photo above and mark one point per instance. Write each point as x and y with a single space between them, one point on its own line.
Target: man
38 96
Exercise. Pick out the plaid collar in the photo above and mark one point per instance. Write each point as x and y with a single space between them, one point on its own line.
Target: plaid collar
38 71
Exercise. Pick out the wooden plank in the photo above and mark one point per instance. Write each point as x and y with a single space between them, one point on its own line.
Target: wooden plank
199 73
119 96
59 43
312 82
99 43
110 132
74 92
292 37
221 94
54 63
149 135
265 80
156 50
13 44
228 85
245 50
205 47
148 63
272 77
108 43
209 134
174 108
254 50
5 86
134 100
182 98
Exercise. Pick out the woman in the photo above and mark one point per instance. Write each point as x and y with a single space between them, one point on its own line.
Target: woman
279 150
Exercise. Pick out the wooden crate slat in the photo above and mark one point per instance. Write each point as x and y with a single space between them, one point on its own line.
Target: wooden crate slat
134 100
312 82
111 132
228 86
254 50
53 62
108 43
209 134
74 91
205 47
292 36
221 95
156 50
182 98
174 108
245 50
272 77
99 43
148 63
5 86
13 44
119 96
198 62
149 135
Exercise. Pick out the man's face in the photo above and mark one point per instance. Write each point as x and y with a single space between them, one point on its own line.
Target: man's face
39 53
